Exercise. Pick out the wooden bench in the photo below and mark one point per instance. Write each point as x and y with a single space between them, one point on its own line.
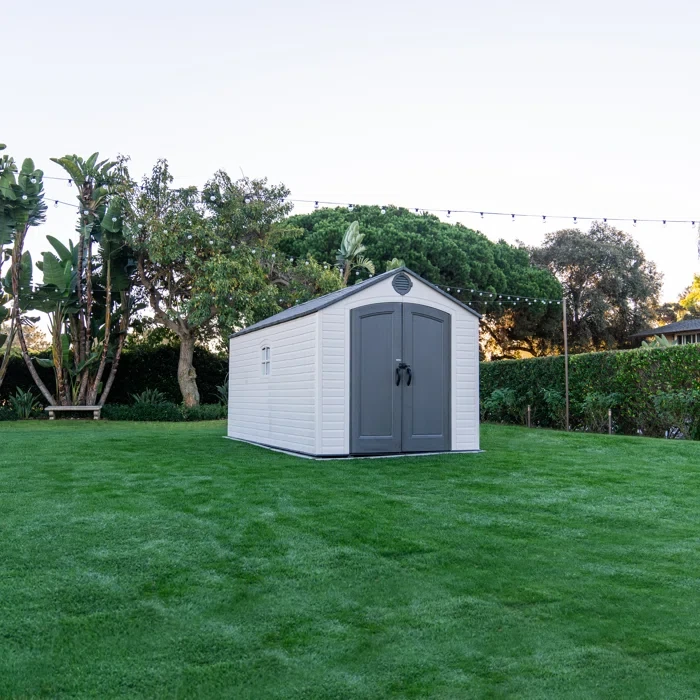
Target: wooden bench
95 410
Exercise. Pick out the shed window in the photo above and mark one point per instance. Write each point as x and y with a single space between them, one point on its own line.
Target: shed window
265 361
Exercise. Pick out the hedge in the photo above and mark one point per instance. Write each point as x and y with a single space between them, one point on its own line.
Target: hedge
139 369
633 379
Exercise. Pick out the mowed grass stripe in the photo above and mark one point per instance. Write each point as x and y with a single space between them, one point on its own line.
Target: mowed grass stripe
160 560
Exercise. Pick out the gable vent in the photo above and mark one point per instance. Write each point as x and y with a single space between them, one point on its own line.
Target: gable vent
401 283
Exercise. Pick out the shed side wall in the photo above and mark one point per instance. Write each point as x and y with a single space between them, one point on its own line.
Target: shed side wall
335 365
279 409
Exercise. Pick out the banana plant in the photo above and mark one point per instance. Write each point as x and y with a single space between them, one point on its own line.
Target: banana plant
86 290
350 255
21 208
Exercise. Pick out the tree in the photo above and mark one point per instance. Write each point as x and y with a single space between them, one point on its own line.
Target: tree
611 288
21 207
86 287
36 339
350 256
451 255
207 261
689 301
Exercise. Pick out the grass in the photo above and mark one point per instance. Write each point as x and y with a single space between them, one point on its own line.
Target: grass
160 560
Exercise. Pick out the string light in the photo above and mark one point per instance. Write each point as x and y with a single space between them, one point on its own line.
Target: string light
545 218
317 203
508 298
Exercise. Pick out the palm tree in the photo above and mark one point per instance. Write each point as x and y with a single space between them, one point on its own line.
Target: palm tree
350 253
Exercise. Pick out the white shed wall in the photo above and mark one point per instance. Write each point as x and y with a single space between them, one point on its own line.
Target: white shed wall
334 370
280 409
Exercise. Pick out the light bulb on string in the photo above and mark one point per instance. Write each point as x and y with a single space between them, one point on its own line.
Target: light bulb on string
55 204
575 222
544 219
33 181
70 182
315 205
212 198
383 210
482 214
634 222
512 217
664 222
448 213
350 206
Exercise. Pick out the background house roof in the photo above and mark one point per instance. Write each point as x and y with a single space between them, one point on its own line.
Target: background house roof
679 327
310 307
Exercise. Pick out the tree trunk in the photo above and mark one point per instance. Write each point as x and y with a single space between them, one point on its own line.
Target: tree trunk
186 375
113 370
17 317
8 348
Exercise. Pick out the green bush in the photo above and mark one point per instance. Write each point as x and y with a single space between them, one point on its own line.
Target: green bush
636 377
594 409
205 412
555 403
140 368
6 413
152 397
503 406
25 404
143 412
679 413
168 412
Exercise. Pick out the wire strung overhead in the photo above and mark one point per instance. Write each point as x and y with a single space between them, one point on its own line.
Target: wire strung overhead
477 295
576 219
513 216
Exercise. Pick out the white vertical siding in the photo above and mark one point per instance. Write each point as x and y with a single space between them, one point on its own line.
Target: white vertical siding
335 365
465 382
280 409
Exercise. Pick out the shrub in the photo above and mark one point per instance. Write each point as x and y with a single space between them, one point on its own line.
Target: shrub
503 406
222 392
143 412
6 413
635 376
151 397
25 404
594 409
555 403
168 412
679 413
205 412
139 368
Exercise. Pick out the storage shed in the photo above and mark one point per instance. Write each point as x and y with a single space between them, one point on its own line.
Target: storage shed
387 366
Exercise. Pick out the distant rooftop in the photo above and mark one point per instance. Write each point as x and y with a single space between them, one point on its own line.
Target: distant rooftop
688 326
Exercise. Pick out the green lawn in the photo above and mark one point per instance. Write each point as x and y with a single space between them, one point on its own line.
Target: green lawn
160 560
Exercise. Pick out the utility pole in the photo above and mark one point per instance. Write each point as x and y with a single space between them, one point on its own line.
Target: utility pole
566 361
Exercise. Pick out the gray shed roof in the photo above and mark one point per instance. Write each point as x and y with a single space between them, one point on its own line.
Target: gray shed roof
322 302
680 327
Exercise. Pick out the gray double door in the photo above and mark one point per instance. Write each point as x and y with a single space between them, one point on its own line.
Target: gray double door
399 379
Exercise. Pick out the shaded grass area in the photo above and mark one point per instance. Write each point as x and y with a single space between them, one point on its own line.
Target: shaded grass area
160 560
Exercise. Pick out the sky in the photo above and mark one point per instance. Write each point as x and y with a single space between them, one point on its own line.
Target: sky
537 107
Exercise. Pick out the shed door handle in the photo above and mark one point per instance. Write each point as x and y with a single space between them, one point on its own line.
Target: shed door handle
410 375
398 375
